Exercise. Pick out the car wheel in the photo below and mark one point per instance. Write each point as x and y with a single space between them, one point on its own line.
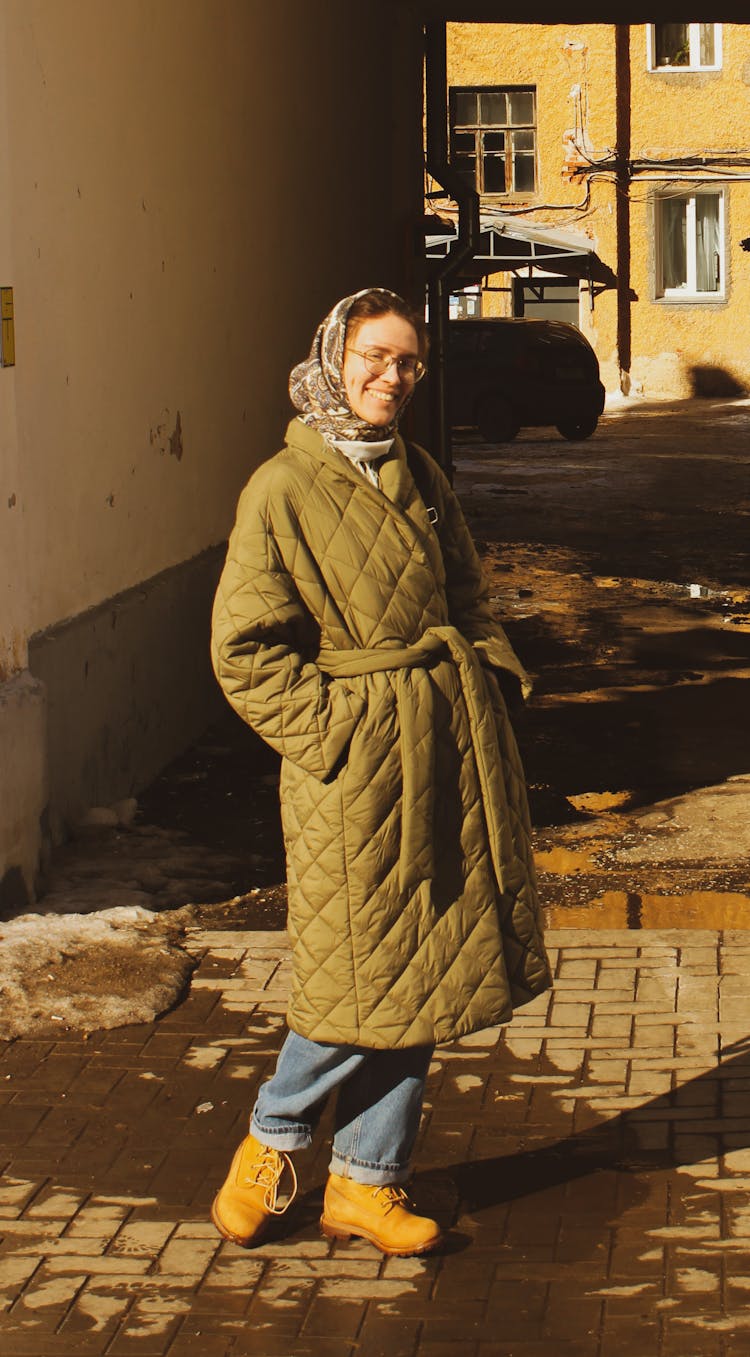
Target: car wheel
575 429
496 421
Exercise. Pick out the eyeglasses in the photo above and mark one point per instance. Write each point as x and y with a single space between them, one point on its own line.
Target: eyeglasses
377 361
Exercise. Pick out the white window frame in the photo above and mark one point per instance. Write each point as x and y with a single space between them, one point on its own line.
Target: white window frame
690 292
695 50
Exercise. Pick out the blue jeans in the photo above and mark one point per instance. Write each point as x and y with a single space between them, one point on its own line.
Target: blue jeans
377 1109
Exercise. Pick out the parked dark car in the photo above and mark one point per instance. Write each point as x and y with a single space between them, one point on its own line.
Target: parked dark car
507 374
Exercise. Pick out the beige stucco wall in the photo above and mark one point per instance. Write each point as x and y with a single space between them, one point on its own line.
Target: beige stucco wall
186 186
174 240
12 556
673 344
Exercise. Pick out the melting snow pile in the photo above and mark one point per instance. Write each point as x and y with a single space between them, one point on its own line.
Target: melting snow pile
88 971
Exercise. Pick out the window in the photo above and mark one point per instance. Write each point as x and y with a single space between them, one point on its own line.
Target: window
547 299
465 305
493 138
690 245
684 47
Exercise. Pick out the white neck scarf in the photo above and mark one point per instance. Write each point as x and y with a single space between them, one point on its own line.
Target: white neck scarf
364 455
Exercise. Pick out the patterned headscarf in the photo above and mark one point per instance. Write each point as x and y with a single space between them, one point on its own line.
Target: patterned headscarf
316 385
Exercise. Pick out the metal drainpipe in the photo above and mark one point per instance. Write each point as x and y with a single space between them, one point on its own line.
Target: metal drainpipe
439 277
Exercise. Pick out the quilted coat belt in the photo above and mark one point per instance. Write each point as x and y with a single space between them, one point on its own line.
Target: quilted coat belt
414 698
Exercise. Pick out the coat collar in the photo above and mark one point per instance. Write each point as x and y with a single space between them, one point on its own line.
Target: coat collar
395 478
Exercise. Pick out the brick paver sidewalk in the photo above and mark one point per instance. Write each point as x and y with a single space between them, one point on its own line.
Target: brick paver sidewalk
593 1161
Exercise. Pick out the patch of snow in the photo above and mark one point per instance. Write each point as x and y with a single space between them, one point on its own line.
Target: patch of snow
87 972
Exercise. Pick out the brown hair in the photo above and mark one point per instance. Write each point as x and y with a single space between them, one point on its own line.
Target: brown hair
378 302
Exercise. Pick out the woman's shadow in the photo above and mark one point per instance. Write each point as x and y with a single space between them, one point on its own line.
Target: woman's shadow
594 1175
551 1196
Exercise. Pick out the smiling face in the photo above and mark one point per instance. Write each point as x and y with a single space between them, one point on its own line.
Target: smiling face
377 400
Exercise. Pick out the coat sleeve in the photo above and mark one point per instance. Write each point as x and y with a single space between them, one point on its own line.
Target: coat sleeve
466 587
264 643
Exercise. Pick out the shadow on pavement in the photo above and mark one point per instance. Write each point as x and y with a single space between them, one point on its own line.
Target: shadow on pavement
588 1180
661 743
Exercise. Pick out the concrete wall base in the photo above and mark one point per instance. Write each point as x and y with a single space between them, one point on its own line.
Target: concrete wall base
23 789
129 685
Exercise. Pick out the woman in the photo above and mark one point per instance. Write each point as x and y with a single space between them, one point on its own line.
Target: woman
352 631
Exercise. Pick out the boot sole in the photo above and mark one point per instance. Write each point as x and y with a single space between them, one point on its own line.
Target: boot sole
332 1230
246 1242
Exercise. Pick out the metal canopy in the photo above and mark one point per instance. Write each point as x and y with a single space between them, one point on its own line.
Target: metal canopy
508 245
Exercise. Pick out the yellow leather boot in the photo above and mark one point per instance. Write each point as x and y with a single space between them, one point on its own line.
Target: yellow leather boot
245 1204
378 1213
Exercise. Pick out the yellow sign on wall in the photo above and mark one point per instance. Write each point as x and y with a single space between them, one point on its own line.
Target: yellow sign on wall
7 328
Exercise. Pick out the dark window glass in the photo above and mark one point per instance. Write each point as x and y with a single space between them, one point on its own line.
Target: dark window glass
493 108
494 174
674 243
463 143
493 141
521 107
672 43
466 109
524 176
501 158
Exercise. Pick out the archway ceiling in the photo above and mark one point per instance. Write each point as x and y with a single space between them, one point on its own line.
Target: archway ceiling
553 12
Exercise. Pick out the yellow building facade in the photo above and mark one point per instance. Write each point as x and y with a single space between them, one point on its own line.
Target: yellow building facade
633 139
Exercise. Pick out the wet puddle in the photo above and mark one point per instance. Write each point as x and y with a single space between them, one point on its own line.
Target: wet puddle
623 909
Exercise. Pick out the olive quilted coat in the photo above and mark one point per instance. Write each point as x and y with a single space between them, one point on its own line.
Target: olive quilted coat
352 631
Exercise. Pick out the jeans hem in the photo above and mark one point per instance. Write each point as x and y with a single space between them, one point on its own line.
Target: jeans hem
286 1138
372 1175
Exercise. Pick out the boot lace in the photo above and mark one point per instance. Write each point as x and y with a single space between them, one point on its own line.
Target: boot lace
266 1172
389 1195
